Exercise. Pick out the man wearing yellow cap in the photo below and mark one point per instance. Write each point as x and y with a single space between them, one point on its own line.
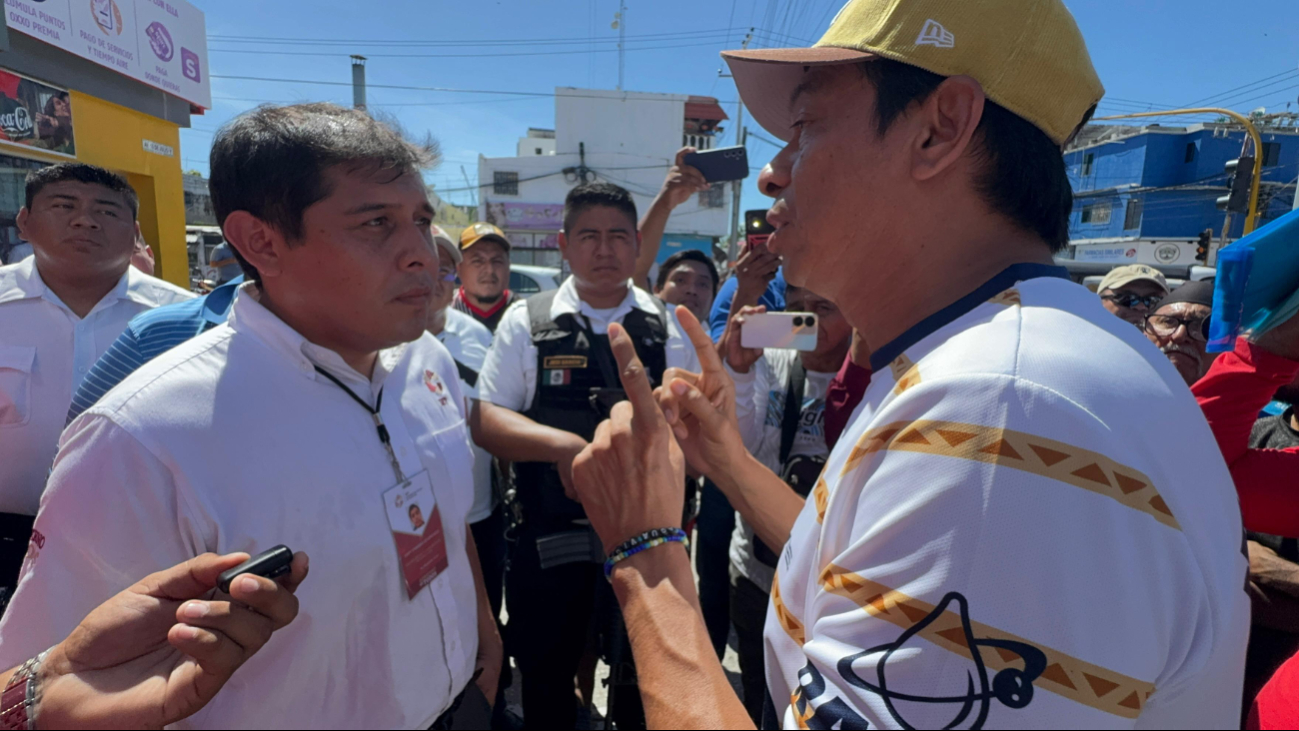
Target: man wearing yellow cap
484 275
999 538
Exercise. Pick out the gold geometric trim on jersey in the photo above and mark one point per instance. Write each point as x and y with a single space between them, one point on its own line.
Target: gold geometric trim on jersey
788 621
1077 680
905 373
1038 455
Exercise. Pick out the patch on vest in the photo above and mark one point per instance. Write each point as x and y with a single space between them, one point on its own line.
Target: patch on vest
564 361
559 377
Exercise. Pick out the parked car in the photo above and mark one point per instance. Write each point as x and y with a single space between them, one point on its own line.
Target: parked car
529 280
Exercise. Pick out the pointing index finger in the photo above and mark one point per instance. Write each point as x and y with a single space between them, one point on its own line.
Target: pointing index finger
635 381
708 359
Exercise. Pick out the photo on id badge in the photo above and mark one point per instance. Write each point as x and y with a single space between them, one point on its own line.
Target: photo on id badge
416 524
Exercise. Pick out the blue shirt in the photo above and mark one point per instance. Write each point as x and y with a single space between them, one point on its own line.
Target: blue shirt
773 298
149 335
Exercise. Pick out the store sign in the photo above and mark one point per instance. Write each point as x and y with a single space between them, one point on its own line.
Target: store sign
158 148
536 216
162 43
1138 252
36 115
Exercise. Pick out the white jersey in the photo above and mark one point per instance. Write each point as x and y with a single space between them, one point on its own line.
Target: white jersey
468 341
1027 524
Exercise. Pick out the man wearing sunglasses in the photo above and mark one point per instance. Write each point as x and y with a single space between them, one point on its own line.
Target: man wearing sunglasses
1180 327
1131 292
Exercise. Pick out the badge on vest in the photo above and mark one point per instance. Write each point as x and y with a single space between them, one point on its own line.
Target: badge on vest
561 362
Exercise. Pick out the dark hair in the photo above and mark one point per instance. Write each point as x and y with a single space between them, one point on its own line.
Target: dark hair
591 195
688 255
1023 176
271 161
82 173
413 507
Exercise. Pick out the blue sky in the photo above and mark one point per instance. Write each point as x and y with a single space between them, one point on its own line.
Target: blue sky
1149 53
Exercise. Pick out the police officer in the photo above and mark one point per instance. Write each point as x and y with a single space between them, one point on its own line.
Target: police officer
548 381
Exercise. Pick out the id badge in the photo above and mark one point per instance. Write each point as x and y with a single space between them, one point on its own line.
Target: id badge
416 524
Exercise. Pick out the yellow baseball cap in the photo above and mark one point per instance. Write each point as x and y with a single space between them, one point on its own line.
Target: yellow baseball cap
1028 54
479 231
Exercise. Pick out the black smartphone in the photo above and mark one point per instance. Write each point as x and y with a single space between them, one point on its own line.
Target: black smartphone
271 564
722 164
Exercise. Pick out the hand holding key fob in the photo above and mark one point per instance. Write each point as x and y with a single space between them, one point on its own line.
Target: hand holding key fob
271 564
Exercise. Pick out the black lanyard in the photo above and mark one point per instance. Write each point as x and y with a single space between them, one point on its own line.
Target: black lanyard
378 420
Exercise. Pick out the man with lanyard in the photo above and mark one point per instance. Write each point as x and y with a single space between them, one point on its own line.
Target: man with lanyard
313 418
485 275
999 539
548 381
780 399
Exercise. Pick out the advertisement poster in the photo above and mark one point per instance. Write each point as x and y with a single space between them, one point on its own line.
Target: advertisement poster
162 43
35 114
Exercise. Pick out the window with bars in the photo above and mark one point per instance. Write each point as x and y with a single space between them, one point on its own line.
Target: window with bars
1096 213
504 183
1271 153
714 197
1088 159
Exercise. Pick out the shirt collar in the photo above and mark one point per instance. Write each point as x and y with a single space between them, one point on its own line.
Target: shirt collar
23 281
249 316
881 357
567 301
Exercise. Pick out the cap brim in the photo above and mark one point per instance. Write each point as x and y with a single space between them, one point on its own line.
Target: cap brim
766 79
488 237
451 247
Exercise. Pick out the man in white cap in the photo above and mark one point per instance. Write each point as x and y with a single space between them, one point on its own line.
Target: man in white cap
999 539
1131 292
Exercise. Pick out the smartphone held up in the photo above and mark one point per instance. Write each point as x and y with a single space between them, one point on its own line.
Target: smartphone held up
794 330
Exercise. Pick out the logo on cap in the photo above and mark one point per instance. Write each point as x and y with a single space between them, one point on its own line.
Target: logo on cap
934 34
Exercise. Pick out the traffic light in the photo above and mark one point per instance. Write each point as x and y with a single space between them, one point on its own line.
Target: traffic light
1242 176
1202 248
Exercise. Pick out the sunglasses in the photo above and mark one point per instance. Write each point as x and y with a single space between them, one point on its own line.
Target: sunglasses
1130 300
1166 326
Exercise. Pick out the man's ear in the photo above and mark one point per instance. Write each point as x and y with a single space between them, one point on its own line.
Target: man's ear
563 244
946 121
259 243
23 215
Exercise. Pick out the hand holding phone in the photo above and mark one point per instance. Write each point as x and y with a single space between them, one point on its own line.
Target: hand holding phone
271 563
722 164
795 330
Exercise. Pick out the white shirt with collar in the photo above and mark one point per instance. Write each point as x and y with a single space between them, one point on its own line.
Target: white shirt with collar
233 442
468 340
45 351
509 377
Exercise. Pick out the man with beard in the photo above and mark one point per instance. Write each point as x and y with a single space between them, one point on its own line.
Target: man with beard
1180 328
485 275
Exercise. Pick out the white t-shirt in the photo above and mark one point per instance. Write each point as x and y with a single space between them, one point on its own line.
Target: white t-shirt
509 377
468 340
45 352
760 398
1028 475
233 442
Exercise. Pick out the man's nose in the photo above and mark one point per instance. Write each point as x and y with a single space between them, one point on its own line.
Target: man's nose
84 220
774 177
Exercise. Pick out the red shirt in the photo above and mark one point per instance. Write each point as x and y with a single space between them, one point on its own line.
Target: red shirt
1231 395
842 398
1277 705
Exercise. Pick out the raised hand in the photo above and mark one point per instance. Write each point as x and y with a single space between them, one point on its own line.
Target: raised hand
682 180
738 357
631 478
157 652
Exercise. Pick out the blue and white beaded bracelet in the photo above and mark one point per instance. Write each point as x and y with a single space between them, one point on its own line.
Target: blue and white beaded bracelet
644 542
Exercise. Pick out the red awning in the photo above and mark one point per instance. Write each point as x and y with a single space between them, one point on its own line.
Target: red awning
704 107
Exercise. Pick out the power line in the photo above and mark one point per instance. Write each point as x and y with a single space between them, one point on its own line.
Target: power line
342 53
1243 86
268 40
435 88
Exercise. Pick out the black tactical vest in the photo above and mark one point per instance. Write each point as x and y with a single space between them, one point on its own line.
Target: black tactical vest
577 384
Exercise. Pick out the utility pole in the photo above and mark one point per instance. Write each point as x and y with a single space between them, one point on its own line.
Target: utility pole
621 24
472 190
358 82
737 187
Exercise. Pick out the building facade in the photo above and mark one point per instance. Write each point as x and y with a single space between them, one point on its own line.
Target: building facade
626 138
1145 194
110 83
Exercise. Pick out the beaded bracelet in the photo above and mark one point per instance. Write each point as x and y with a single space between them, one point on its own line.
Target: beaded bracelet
644 542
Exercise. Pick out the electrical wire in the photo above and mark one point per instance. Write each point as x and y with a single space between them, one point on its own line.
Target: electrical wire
494 54
477 43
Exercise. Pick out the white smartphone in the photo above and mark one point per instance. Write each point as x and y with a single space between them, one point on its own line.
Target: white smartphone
795 330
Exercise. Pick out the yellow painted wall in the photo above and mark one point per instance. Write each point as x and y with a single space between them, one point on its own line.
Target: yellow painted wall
113 137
